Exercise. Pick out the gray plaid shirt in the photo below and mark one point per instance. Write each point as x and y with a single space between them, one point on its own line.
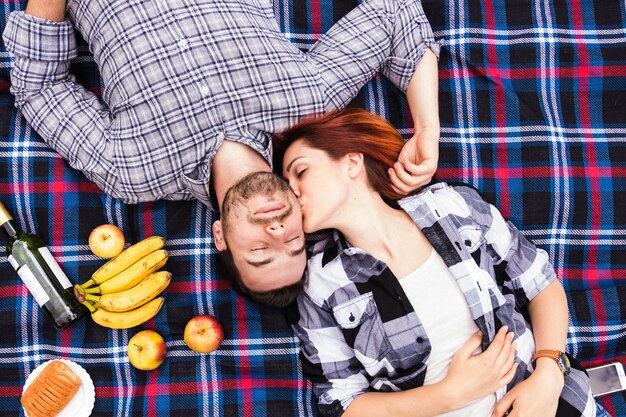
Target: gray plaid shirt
180 76
359 331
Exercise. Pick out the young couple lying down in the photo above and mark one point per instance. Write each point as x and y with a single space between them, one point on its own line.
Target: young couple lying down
431 304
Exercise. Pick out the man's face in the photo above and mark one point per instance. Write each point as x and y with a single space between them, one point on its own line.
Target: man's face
262 226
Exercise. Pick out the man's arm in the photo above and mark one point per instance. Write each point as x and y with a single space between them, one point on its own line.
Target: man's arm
69 118
418 159
47 9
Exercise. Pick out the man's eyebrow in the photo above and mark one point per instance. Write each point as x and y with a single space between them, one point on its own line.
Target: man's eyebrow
260 263
291 163
270 260
298 251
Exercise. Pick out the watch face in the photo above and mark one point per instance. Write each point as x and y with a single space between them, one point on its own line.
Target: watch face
564 363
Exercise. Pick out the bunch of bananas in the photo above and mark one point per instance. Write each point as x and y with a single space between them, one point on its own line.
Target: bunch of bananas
123 292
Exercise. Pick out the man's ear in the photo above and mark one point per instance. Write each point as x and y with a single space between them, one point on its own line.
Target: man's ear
355 164
218 236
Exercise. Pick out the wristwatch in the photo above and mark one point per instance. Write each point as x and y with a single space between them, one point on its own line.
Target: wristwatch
561 359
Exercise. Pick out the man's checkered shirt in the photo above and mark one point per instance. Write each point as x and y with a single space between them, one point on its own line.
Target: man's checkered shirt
180 76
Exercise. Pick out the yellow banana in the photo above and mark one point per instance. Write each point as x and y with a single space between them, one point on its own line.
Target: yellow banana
132 275
125 259
127 319
146 290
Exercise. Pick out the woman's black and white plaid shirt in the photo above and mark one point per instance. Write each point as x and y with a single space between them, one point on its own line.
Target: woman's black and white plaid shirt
360 333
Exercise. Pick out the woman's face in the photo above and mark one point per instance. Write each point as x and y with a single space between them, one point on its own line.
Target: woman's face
319 182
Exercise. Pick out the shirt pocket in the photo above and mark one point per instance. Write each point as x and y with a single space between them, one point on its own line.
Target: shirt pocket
471 237
351 314
362 328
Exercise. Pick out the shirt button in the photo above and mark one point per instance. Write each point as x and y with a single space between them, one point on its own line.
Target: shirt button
183 43
420 339
204 90
221 135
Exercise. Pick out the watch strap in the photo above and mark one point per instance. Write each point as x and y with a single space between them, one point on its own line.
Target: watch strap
559 357
547 353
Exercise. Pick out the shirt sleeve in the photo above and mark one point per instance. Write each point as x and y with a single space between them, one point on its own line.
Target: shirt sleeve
387 36
411 36
519 263
327 359
69 118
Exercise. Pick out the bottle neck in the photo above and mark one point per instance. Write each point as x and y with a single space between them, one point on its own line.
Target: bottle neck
7 222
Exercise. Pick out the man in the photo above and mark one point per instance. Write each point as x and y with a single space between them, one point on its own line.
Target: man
192 92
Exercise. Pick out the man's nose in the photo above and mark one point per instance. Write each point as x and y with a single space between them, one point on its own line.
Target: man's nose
276 228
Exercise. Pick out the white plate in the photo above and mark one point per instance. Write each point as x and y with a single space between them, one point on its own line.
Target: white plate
82 403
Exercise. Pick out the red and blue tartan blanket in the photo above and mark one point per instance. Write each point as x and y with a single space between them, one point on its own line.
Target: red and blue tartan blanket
533 113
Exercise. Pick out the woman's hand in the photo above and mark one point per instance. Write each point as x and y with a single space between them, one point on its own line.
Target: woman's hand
416 163
537 396
472 376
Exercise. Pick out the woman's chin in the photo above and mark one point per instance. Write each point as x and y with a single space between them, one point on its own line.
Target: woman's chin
308 226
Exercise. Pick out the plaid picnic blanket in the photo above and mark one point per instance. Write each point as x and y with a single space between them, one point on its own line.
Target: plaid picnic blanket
533 113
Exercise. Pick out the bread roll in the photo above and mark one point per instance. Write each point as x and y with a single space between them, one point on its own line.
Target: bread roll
50 392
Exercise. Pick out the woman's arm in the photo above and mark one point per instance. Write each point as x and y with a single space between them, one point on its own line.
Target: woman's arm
469 378
529 274
418 160
549 318
539 394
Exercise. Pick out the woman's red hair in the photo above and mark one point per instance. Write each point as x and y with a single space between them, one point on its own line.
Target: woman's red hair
349 130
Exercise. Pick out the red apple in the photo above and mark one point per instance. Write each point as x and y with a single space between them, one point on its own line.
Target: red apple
203 333
146 350
106 241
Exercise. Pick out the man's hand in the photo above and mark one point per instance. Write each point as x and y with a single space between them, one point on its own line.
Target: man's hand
418 159
472 376
416 163
537 396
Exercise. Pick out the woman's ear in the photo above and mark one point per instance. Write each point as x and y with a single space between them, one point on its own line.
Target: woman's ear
355 164
218 236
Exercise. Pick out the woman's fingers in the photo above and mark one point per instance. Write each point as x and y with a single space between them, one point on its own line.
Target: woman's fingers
407 177
469 347
495 348
508 377
507 353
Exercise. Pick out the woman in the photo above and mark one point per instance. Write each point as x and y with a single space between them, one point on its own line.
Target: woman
415 308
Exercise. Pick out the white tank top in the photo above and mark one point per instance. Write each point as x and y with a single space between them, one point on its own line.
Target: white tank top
441 306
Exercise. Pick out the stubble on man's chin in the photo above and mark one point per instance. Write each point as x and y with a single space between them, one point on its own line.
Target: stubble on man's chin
251 185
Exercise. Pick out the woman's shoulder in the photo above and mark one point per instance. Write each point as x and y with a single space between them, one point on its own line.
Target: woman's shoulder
441 188
444 194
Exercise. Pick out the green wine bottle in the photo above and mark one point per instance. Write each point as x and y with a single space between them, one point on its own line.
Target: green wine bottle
41 274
